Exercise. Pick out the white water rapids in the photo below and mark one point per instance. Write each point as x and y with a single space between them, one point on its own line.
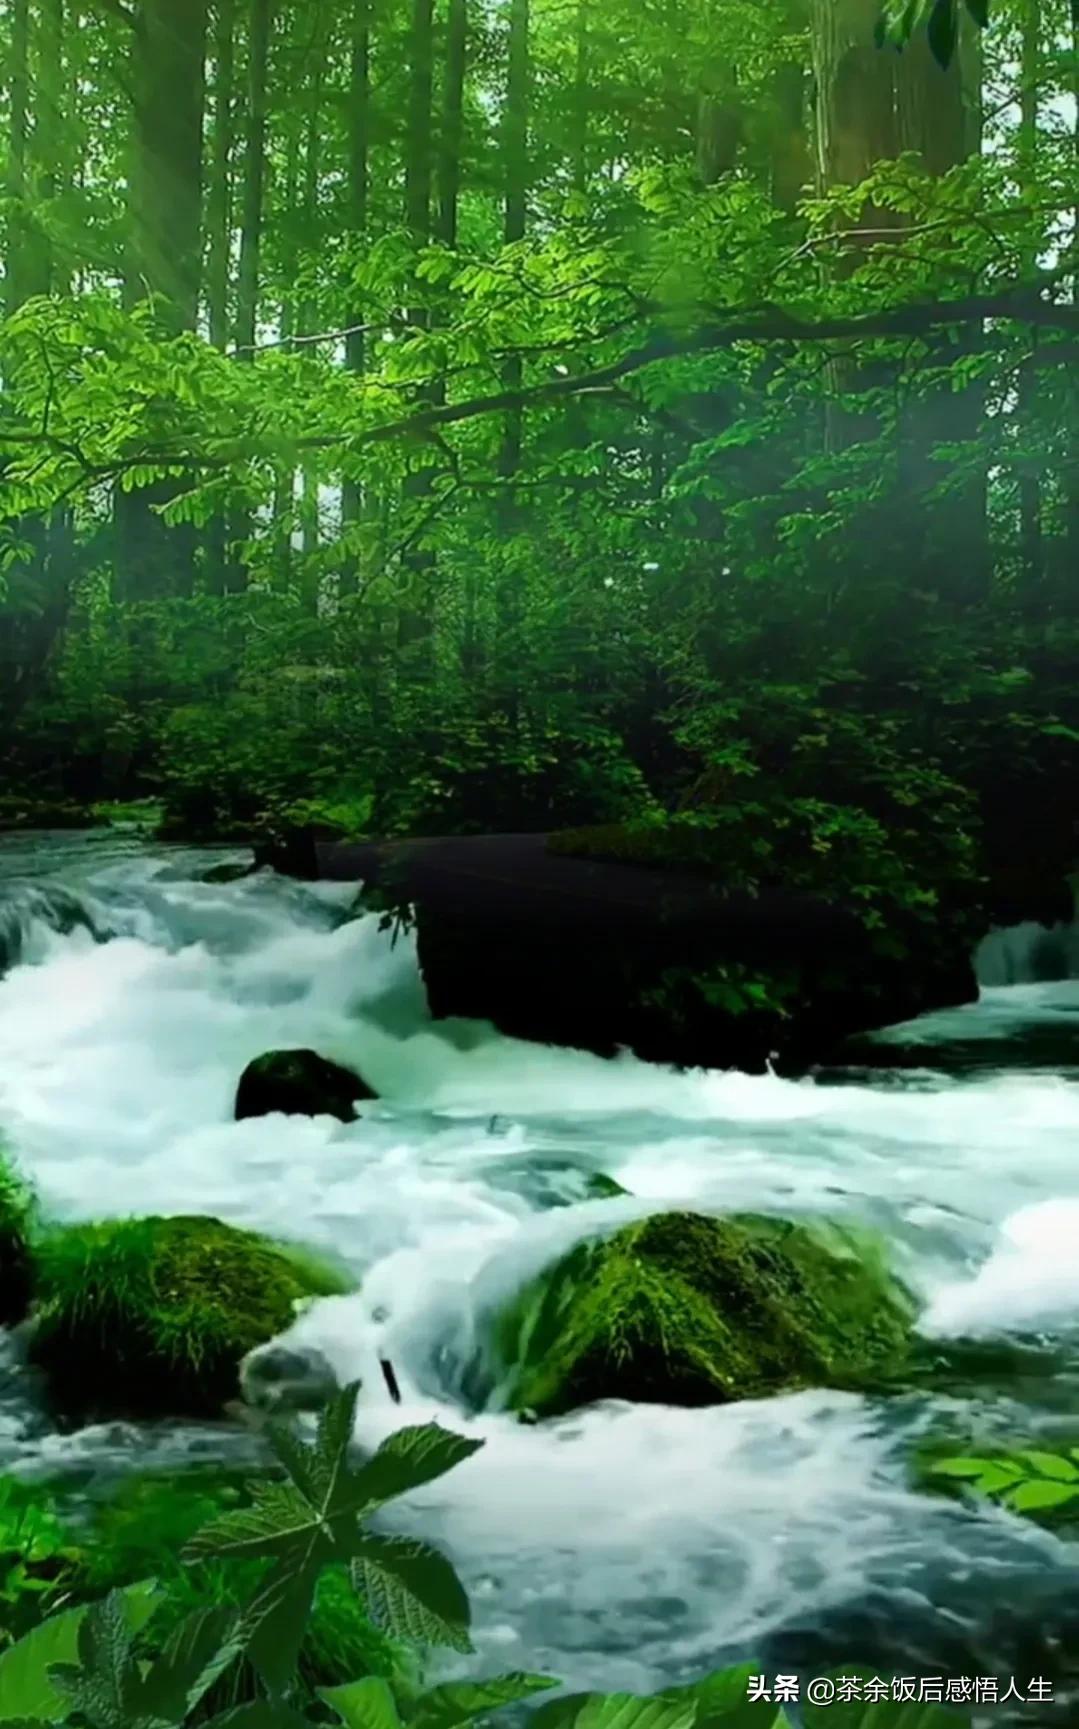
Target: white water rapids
622 1545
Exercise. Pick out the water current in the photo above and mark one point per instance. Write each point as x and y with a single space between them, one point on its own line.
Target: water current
622 1546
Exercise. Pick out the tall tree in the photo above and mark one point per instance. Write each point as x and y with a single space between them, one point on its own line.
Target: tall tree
219 195
358 189
415 616
168 87
254 178
18 82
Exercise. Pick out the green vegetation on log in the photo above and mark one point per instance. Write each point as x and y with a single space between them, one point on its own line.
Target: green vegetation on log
688 1310
153 1316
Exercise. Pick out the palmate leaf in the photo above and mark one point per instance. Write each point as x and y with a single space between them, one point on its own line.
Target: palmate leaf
411 1591
105 1683
27 1690
407 1460
280 1521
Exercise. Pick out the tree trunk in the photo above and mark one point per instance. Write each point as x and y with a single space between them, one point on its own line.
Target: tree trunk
219 575
415 623
163 253
359 135
219 198
247 296
449 161
18 82
873 105
1032 547
515 166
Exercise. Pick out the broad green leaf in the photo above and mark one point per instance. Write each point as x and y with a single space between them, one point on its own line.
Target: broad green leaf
1034 1496
460 1701
196 1654
26 1688
1053 1465
278 1614
960 1467
367 1704
279 1519
722 1700
411 1591
615 1711
407 1460
879 1714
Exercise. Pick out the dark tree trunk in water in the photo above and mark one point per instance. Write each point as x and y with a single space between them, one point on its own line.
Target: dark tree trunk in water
163 252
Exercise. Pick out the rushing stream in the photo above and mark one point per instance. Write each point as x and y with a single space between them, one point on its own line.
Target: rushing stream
623 1545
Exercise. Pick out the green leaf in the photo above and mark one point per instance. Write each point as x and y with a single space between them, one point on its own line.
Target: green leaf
196 1654
460 1701
279 1612
880 1714
943 31
26 1687
1053 1465
411 1591
408 1460
259 1714
279 1518
722 1701
961 1467
615 1711
1034 1496
365 1704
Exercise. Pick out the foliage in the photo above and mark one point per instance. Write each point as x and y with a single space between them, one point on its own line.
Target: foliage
1033 1481
99 1664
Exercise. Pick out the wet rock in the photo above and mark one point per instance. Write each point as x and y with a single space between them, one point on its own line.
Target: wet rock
278 1377
683 1309
299 1084
153 1317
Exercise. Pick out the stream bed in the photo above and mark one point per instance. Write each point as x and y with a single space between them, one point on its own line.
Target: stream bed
621 1546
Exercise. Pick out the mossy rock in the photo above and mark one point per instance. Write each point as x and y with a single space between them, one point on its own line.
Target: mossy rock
16 1217
299 1084
152 1317
683 1309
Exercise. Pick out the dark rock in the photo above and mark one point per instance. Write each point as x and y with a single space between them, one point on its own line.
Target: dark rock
299 1084
228 873
278 1377
684 1309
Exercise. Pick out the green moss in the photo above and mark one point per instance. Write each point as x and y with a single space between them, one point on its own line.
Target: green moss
668 845
16 1221
153 1316
689 1310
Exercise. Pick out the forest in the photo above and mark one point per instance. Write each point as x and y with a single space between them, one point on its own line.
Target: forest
446 417
634 441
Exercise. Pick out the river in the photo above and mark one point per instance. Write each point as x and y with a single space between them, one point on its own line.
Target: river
622 1546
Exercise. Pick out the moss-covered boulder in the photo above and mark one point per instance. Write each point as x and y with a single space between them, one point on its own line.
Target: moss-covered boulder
152 1317
299 1084
16 1213
683 1309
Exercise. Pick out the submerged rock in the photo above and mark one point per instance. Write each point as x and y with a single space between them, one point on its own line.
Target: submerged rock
153 1317
683 1309
16 1209
299 1084
279 1377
